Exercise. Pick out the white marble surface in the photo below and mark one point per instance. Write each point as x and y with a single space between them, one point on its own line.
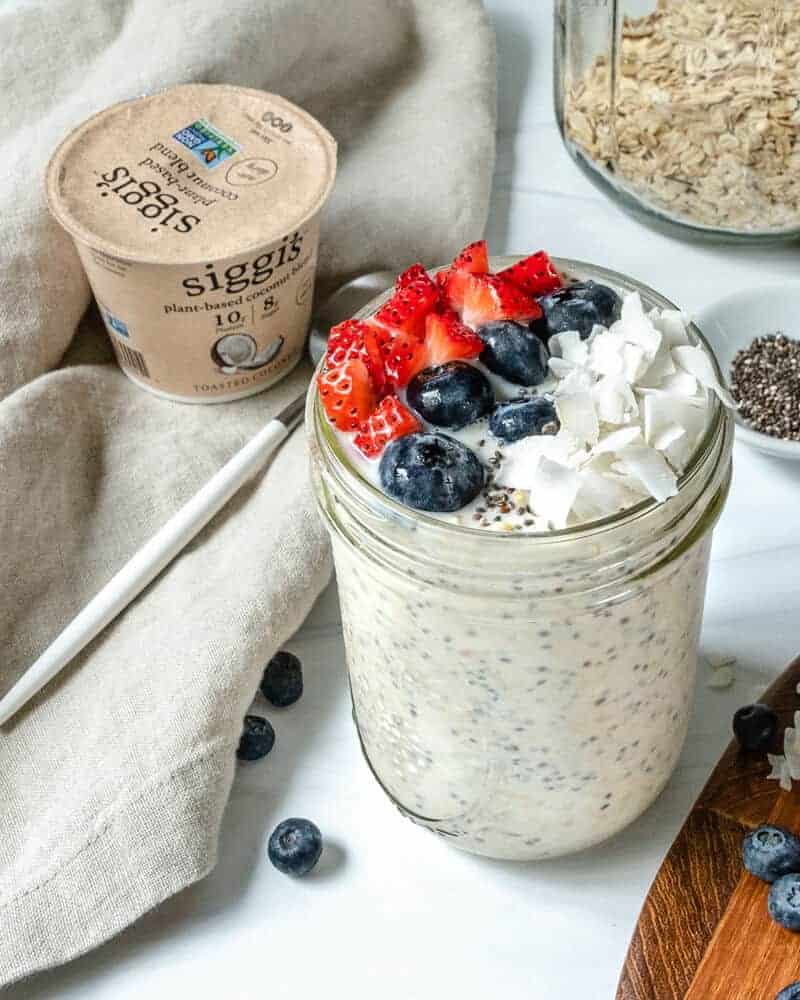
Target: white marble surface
395 913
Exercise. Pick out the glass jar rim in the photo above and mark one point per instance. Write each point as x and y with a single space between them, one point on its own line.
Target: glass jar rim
574 268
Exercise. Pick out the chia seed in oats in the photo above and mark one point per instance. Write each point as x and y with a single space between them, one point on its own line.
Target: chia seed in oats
765 382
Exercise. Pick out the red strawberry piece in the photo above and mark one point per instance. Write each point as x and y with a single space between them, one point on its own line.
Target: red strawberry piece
489 297
416 272
474 258
403 356
357 339
347 394
453 286
407 308
389 421
448 339
536 275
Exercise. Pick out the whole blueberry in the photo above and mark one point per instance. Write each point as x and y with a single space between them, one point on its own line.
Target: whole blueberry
784 902
450 395
257 739
770 852
295 846
514 351
580 306
282 682
755 726
431 471
522 418
791 992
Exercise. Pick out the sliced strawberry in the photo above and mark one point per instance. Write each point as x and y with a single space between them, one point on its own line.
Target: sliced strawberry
453 281
448 339
473 259
389 421
347 394
357 339
453 285
489 297
416 272
403 356
407 308
536 275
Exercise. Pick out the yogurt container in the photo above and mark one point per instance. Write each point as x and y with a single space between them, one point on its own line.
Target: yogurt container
524 695
195 213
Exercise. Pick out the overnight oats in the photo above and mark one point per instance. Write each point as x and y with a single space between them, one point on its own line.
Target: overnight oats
520 463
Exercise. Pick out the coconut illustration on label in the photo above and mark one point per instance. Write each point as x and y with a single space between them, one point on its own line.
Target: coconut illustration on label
195 213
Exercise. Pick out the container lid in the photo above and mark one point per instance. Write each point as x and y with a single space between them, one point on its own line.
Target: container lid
194 173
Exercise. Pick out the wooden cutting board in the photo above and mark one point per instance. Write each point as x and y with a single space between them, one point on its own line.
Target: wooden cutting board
704 932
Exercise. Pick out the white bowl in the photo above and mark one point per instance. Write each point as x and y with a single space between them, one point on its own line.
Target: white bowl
733 322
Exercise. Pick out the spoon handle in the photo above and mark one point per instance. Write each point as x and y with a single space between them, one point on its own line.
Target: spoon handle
152 558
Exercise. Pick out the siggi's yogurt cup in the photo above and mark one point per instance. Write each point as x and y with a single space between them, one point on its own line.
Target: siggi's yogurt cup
195 213
524 694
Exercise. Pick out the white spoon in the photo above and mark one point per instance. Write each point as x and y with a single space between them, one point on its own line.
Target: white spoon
182 527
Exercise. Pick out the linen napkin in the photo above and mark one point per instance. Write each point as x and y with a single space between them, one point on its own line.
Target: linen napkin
113 781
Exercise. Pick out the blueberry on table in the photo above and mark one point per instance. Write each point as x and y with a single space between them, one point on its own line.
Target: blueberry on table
522 418
784 902
580 306
295 846
450 395
791 992
754 726
431 471
514 352
770 852
258 738
282 683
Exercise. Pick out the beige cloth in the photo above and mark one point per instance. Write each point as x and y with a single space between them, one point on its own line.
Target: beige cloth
113 781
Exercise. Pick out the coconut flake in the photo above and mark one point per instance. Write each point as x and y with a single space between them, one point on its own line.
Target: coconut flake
521 458
636 361
668 437
617 439
721 678
780 771
660 368
673 326
651 468
577 379
636 327
682 384
696 362
578 417
614 400
673 425
553 491
600 495
607 354
569 346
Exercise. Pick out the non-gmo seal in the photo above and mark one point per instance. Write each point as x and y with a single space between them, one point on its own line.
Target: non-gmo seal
254 170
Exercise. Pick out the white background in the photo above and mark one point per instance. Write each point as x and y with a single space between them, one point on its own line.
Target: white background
393 913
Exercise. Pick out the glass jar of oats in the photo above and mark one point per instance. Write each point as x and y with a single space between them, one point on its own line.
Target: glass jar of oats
522 695
686 111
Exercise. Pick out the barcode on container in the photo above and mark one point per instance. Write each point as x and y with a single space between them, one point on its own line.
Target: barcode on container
132 360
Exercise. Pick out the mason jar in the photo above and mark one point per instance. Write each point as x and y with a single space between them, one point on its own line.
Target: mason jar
522 695
686 111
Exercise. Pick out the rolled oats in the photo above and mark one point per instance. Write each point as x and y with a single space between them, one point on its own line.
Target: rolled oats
704 123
